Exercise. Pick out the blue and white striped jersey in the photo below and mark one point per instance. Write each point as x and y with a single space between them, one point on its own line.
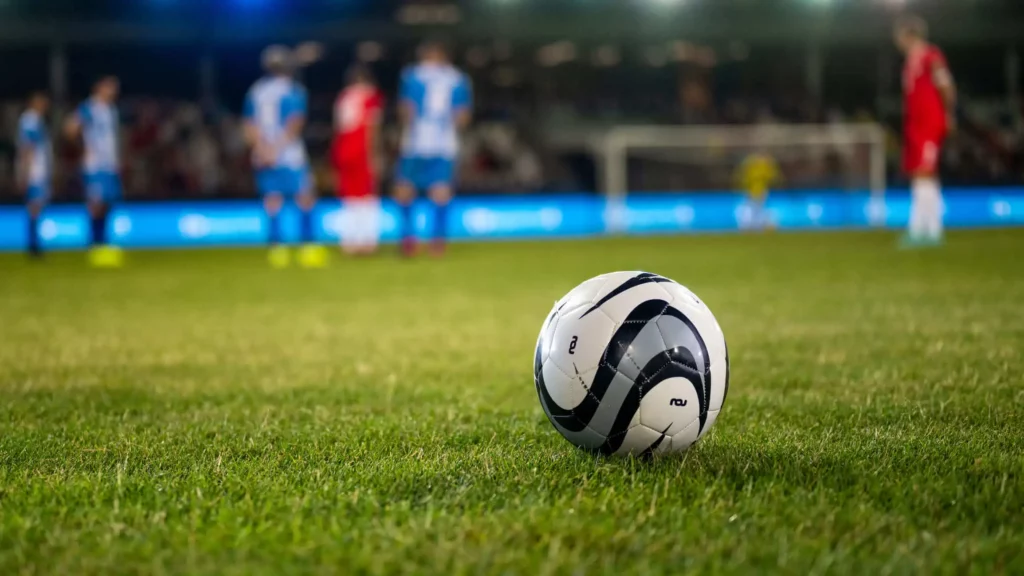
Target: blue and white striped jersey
270 104
436 93
32 135
100 126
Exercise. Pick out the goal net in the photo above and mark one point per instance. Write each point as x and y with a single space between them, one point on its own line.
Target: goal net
712 158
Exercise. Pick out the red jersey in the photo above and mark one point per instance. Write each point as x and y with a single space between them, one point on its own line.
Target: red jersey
356 110
924 110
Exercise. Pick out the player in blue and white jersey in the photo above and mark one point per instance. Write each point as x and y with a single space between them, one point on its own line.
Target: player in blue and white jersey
275 114
35 164
435 103
97 122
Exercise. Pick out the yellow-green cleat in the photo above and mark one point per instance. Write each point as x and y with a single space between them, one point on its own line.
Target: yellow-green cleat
279 257
106 257
314 256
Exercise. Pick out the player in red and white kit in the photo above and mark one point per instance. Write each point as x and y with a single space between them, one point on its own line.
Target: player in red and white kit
928 110
357 113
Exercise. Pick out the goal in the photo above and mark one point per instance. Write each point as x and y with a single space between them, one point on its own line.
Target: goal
708 158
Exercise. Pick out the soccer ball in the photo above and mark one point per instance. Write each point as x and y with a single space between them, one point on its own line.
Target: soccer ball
631 363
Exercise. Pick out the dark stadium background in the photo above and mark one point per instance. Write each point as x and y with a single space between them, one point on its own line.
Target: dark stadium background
185 66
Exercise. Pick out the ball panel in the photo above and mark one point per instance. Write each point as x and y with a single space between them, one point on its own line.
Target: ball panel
586 438
670 406
714 340
619 307
712 416
685 438
578 344
720 378
640 439
646 345
543 351
564 389
610 409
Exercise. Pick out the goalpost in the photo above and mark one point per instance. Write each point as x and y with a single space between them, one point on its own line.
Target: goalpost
701 158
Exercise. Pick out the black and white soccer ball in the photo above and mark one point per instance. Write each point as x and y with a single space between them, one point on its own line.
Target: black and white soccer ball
631 363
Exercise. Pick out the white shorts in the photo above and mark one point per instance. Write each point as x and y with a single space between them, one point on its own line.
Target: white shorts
360 222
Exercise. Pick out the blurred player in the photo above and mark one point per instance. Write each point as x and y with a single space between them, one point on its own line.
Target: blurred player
928 109
35 165
757 174
357 114
96 122
434 104
275 114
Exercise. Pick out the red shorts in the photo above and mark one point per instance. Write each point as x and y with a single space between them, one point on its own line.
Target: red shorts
921 150
356 179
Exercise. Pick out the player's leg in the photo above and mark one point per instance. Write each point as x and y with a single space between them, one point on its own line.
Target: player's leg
360 210
102 191
37 197
306 201
369 208
268 187
96 203
300 187
268 184
758 220
921 162
405 196
932 192
365 226
442 173
371 224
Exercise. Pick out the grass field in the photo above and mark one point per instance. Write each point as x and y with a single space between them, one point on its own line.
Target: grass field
198 412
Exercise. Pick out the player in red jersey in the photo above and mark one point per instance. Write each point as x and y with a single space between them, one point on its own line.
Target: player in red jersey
357 114
928 111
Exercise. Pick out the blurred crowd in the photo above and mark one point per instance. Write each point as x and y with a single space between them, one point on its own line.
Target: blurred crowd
182 148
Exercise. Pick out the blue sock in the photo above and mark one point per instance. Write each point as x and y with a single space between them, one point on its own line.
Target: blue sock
408 226
306 226
273 229
440 222
99 228
33 234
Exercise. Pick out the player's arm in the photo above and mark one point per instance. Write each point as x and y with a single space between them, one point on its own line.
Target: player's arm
262 152
295 115
406 100
943 80
26 155
463 103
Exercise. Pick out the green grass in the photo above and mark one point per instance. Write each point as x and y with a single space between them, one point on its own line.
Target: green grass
198 412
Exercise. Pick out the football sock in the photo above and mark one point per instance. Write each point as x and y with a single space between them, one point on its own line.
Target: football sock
933 209
99 228
408 226
33 234
273 229
440 222
306 226
918 211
